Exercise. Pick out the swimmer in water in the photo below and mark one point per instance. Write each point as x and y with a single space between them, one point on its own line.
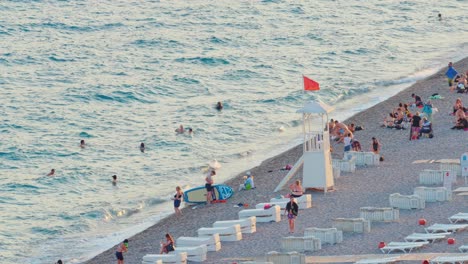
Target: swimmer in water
190 131
440 16
219 106
82 143
51 173
180 130
142 147
114 180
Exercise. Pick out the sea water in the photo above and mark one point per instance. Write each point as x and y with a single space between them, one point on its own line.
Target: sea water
118 73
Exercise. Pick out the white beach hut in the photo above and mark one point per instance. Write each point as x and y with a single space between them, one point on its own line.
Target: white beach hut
316 159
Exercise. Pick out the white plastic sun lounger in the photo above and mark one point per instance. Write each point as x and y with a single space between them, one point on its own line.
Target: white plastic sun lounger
436 228
463 248
378 260
180 258
450 259
426 237
458 217
406 247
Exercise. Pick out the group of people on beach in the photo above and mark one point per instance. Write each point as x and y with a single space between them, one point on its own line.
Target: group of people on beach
420 123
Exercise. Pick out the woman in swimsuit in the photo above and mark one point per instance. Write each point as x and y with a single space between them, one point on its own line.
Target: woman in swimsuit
177 200
296 189
375 146
168 246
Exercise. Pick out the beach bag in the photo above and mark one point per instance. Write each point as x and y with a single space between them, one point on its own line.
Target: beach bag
427 109
248 186
381 158
170 247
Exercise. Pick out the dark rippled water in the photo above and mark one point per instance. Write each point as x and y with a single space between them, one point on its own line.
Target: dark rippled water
117 73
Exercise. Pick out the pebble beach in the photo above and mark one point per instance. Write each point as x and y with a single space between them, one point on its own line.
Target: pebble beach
369 186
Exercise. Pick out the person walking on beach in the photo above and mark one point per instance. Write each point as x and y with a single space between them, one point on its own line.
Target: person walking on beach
208 185
178 200
122 248
291 211
167 246
375 146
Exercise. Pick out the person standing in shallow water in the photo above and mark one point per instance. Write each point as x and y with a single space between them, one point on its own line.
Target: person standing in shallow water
178 197
142 147
82 143
114 180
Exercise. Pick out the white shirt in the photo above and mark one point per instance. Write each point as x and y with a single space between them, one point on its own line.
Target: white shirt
347 141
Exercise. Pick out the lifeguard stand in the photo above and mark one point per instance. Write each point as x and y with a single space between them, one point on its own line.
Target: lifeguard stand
317 162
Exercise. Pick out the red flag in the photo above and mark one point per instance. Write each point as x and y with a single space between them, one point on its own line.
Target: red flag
310 85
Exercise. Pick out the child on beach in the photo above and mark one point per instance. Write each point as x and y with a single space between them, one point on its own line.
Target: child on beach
168 246
291 211
123 247
178 197
248 182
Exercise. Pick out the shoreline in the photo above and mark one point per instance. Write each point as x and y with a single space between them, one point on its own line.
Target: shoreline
147 242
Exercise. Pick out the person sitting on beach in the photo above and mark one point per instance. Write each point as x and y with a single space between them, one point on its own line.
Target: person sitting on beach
82 143
51 173
219 106
208 185
375 145
296 189
248 182
461 85
458 104
142 147
180 130
122 248
389 121
178 197
356 145
461 120
353 128
426 128
167 246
